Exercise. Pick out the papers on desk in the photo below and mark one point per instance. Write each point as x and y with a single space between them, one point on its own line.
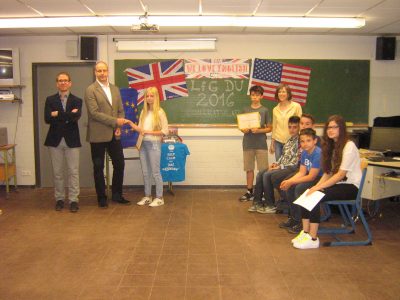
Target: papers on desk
309 202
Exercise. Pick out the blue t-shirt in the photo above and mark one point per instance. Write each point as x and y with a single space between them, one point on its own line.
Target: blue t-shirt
173 160
312 160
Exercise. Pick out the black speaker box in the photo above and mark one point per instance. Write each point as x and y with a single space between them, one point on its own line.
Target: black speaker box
88 48
385 48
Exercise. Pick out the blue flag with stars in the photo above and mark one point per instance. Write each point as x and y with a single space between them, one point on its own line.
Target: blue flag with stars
129 101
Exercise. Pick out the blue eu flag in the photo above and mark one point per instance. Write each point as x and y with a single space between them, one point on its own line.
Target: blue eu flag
129 100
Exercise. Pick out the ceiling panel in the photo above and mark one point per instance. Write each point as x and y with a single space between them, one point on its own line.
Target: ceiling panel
12 9
229 7
172 7
58 8
118 7
286 7
389 29
389 4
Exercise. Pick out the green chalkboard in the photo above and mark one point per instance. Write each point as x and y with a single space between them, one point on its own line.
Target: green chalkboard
336 87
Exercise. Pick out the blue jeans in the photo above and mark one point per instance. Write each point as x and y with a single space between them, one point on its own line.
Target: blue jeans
278 149
150 156
266 181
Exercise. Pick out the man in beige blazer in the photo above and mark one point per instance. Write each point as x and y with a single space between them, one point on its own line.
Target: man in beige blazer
105 118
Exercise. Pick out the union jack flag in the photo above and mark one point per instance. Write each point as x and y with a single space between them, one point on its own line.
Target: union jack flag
269 74
167 76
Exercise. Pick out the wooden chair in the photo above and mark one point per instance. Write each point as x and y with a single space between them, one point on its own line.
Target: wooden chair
351 211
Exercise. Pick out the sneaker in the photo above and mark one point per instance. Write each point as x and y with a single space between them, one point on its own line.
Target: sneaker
295 228
157 202
59 205
289 223
145 200
74 207
254 207
299 237
307 243
247 197
267 210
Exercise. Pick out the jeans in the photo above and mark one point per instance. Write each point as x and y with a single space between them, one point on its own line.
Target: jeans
150 156
266 181
278 149
71 155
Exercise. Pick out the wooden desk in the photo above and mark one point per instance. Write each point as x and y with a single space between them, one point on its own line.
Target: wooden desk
8 168
376 185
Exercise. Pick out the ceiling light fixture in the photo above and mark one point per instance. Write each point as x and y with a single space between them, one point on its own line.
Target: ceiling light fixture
183 21
156 45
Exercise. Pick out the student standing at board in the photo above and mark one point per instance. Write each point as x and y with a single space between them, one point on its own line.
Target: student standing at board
255 141
153 126
280 117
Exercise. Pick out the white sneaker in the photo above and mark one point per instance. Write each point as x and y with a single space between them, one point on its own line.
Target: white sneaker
157 202
307 243
299 237
145 200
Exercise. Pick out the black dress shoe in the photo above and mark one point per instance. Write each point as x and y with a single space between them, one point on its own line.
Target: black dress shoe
122 200
103 203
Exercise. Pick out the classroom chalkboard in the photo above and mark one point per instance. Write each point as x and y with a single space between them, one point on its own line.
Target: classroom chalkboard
336 87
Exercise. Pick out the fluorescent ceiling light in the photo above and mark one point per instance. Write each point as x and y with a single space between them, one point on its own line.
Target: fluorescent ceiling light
136 45
184 21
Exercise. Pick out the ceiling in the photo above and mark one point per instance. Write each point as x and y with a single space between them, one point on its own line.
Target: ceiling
382 16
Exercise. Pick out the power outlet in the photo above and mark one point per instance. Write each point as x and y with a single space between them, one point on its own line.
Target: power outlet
26 173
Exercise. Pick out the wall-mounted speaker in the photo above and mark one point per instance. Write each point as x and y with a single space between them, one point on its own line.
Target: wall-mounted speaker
88 47
385 48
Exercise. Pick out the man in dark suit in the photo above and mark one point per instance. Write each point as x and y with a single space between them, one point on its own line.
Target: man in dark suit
62 111
105 118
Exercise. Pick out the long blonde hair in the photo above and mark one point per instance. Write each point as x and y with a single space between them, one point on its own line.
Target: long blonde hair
156 108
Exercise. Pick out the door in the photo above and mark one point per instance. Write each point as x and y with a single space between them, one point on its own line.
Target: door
44 84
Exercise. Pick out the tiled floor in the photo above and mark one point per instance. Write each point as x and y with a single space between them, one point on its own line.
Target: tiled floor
203 244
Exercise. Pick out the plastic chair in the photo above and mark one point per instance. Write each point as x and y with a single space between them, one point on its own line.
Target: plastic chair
351 211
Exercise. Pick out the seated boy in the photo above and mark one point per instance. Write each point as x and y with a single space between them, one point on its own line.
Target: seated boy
308 175
306 121
266 180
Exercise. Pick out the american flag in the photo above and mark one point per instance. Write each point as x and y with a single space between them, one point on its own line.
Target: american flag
269 74
167 76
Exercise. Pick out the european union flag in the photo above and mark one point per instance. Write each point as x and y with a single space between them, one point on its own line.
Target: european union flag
129 100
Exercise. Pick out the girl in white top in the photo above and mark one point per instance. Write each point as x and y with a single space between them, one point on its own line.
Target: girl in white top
340 181
153 124
280 117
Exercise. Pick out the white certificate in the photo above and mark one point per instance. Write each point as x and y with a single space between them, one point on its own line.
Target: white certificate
249 120
309 202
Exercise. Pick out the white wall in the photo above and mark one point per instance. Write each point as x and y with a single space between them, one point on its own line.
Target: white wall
216 155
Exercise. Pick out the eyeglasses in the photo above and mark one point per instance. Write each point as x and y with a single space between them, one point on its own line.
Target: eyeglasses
63 81
332 127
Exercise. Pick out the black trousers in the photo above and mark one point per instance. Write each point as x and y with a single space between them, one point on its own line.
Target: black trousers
114 150
339 191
